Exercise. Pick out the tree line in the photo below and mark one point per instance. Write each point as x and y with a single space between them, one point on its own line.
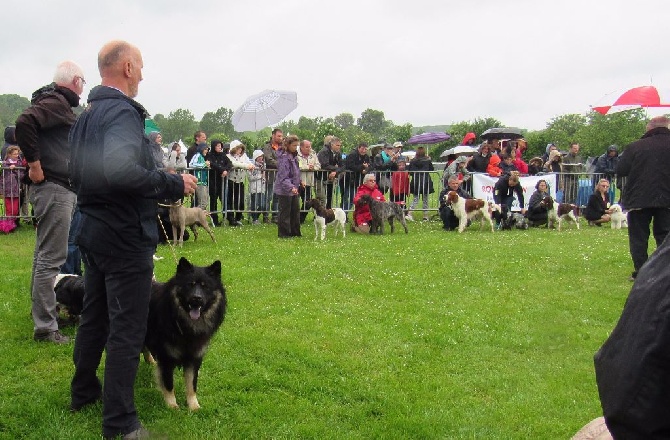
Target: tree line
594 132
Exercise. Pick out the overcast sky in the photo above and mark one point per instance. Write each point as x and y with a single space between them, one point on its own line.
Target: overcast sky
425 62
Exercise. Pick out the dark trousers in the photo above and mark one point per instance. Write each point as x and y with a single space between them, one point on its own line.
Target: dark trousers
638 232
215 194
449 219
114 318
235 202
329 195
288 219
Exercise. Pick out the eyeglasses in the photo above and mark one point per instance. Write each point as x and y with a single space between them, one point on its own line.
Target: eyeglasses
83 81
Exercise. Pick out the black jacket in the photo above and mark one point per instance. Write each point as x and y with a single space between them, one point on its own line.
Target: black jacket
218 163
42 131
596 206
115 176
357 166
502 189
330 161
479 163
607 164
647 164
421 183
632 366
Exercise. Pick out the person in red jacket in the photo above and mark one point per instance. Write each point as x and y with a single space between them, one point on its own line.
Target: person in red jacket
362 214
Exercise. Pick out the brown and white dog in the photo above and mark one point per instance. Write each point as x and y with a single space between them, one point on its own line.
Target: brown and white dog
469 209
557 213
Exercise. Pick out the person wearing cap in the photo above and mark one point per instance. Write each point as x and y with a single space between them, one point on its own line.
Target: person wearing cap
257 185
550 147
384 163
362 215
201 166
308 163
219 166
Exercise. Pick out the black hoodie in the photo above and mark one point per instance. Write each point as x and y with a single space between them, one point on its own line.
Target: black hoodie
42 131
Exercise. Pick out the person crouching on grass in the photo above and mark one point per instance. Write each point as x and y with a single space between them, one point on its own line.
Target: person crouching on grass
362 215
287 188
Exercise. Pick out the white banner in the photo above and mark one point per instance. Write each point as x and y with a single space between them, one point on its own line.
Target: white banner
482 187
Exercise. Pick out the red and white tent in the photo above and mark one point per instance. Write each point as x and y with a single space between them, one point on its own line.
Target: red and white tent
638 97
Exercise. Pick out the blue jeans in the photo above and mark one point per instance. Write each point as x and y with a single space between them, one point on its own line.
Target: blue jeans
73 261
114 318
54 206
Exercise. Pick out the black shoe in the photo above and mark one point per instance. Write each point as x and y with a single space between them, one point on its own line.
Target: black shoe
56 337
76 407
139 433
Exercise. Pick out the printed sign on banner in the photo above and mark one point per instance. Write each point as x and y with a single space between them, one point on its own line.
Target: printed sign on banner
483 184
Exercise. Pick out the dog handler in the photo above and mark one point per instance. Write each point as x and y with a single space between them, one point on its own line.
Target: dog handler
117 185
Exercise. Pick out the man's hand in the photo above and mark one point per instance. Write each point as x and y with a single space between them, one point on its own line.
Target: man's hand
190 183
35 172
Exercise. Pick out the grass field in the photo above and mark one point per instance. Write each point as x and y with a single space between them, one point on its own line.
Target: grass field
430 335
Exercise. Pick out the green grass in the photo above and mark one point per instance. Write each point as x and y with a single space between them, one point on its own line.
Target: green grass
426 335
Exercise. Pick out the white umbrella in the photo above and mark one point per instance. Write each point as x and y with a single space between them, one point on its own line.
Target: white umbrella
459 150
264 109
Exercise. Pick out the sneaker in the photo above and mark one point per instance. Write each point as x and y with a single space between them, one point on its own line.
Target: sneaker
239 223
426 219
56 337
409 218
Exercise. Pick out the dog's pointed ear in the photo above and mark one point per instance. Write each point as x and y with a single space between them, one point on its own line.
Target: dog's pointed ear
215 268
184 265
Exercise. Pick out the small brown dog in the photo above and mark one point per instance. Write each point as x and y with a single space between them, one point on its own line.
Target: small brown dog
181 217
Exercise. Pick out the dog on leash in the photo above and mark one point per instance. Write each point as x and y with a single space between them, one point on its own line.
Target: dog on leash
470 210
323 217
184 315
618 218
181 217
557 213
382 212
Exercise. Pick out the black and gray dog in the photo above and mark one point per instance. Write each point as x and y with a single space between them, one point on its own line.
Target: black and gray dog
382 212
511 220
184 315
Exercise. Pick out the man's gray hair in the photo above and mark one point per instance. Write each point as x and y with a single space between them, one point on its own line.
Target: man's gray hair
658 121
368 177
66 72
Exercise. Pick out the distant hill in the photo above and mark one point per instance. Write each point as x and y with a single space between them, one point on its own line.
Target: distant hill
431 128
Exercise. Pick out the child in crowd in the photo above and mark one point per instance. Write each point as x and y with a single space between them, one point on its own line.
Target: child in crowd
12 175
400 187
202 173
257 185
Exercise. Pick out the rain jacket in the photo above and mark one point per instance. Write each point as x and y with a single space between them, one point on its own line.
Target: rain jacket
607 164
647 164
42 131
115 176
493 168
362 212
633 366
288 174
468 137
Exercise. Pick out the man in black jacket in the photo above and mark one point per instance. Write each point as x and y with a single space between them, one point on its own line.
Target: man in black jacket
330 159
42 134
357 165
117 185
219 165
646 194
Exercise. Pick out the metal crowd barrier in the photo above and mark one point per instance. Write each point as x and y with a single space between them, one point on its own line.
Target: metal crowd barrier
574 188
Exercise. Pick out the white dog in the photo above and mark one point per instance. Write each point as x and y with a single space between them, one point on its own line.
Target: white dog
619 219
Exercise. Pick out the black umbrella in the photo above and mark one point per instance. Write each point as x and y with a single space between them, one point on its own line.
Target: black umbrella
502 133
